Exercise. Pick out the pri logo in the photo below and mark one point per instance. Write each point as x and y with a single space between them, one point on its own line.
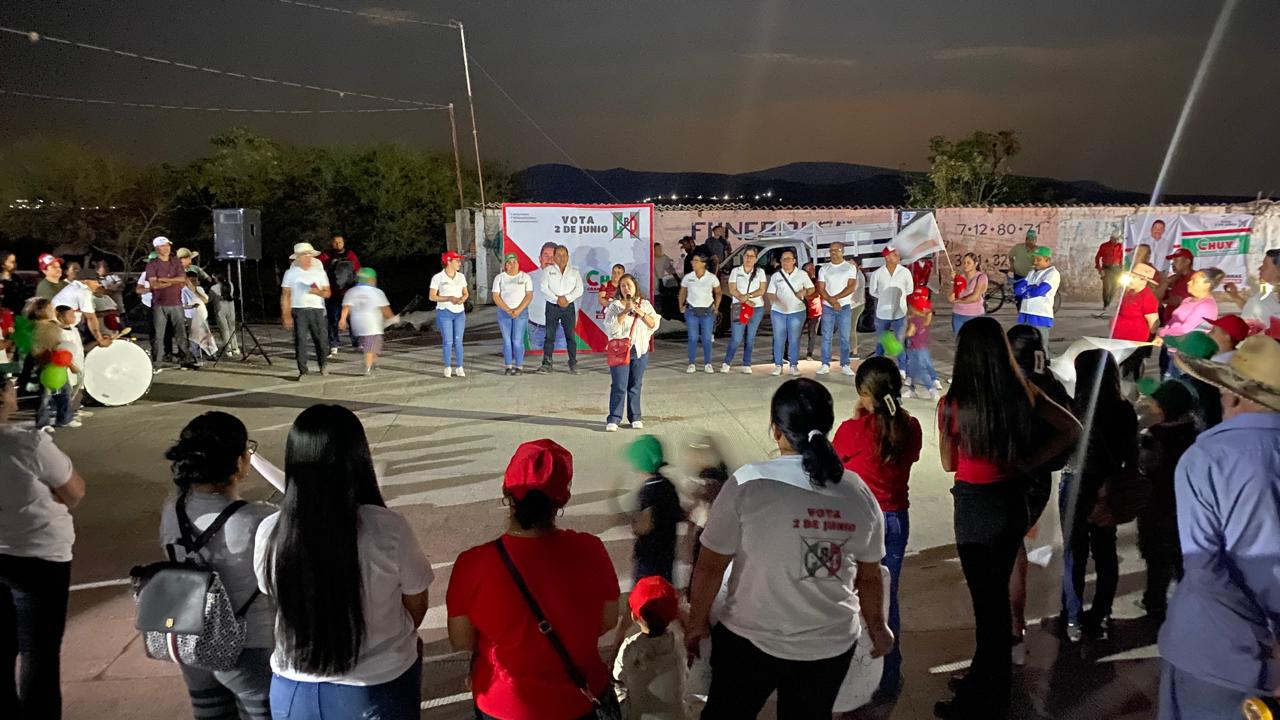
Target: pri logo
823 559
625 223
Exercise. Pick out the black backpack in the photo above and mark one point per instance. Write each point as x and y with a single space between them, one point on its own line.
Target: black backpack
344 273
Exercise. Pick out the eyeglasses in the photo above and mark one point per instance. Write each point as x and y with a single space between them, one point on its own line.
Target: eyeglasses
252 447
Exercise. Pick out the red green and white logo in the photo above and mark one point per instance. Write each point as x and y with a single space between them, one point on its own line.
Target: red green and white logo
1217 242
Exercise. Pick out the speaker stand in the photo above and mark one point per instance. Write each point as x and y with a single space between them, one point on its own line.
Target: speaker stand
242 328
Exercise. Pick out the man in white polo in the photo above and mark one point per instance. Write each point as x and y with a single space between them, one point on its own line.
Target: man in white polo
562 286
890 285
303 290
838 281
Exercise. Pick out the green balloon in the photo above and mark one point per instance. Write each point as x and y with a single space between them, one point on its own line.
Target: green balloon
53 377
21 323
891 344
1147 385
23 340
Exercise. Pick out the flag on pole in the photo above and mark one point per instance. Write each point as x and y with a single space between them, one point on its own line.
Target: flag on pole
918 238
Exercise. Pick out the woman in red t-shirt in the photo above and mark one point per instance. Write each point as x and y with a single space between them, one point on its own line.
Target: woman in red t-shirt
881 443
516 673
1136 320
987 436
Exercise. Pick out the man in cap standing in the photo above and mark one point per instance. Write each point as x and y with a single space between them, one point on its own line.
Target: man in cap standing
165 276
1037 291
303 290
1020 255
1219 644
1109 262
52 283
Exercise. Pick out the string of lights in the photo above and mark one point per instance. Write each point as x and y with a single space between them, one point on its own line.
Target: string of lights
372 16
36 37
194 108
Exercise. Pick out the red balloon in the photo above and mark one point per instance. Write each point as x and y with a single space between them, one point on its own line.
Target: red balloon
958 284
6 321
62 358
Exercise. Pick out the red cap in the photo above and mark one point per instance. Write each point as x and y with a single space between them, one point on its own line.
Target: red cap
541 465
920 301
888 249
1233 325
1180 253
446 258
658 596
45 260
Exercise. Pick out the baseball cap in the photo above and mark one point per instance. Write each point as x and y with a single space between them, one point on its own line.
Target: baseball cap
888 249
919 301
160 240
367 273
542 465
1042 251
510 256
645 454
1032 232
1196 344
1180 253
45 260
657 596
1175 397
449 257
1234 326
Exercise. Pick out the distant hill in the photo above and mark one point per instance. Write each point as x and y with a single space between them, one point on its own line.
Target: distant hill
800 183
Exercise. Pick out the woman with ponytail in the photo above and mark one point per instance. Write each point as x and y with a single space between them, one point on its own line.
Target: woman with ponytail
806 538
881 443
210 462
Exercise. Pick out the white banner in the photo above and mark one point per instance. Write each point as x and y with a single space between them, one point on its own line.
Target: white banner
598 236
1218 240
1157 230
919 238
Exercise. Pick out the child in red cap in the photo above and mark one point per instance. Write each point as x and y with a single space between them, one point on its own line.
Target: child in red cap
919 363
650 668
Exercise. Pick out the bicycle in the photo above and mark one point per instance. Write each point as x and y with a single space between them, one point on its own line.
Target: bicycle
998 293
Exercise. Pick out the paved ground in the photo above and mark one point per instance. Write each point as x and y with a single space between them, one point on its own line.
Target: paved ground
441 446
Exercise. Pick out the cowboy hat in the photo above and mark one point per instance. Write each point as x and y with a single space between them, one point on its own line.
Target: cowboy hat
302 248
1253 372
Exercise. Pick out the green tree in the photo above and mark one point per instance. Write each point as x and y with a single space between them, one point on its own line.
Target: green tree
969 171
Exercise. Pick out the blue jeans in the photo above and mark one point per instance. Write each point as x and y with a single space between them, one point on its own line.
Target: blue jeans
399 699
451 326
625 382
840 320
744 335
919 367
1072 602
898 327
700 327
512 337
55 407
786 329
33 595
958 321
897 527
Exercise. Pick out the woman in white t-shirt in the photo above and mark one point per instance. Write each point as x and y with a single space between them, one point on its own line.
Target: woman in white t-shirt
512 293
38 489
209 462
449 292
747 285
348 578
805 537
629 316
788 289
699 300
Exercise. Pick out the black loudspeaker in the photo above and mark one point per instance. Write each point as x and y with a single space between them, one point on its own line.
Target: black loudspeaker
237 234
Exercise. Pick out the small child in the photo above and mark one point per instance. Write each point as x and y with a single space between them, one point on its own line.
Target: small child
658 513
368 310
199 334
650 667
56 330
916 352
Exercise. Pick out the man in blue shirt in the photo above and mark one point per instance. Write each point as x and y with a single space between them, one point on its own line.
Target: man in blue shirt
1219 643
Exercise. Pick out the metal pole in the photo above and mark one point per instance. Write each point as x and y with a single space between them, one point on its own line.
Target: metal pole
475 134
457 161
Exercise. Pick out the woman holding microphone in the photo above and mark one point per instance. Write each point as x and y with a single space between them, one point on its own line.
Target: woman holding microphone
629 317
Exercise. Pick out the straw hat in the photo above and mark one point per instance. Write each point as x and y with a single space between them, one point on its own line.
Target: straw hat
1253 372
301 249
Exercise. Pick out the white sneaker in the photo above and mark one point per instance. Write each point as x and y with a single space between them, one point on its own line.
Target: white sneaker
794 371
934 394
707 368
908 393
74 423
333 352
448 371
691 369
82 414
460 372
611 427
746 369
637 424
777 370
937 384
825 369
846 370
903 373
49 429
724 368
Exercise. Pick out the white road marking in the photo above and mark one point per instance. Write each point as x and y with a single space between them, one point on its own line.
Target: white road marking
100 584
446 700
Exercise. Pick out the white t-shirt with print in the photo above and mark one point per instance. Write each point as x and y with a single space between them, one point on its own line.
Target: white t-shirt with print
749 282
513 288
392 565
299 283
700 291
75 295
452 287
836 279
366 303
795 549
787 301
32 523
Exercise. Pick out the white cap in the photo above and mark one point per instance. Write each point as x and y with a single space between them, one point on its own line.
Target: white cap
160 240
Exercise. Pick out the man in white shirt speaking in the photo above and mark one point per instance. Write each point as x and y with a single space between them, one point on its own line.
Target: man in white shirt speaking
838 281
562 286
303 290
890 285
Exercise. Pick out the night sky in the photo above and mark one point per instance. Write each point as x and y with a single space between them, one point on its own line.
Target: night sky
1094 88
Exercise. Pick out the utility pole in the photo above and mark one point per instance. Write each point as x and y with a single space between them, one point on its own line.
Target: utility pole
457 161
475 134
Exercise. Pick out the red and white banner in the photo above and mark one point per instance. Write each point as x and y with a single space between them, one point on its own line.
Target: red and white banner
1218 240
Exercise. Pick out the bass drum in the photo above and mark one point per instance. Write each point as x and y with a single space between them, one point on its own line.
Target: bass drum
117 375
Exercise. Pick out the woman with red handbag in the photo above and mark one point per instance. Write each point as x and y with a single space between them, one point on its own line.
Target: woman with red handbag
630 321
747 284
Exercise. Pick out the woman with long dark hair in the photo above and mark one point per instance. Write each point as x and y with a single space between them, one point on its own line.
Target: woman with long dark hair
806 538
987 436
516 672
881 443
348 577
629 317
1107 456
210 462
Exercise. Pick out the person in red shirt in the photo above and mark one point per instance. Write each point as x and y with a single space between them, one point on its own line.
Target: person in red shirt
881 443
1109 262
1173 289
1139 313
921 270
341 264
516 674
